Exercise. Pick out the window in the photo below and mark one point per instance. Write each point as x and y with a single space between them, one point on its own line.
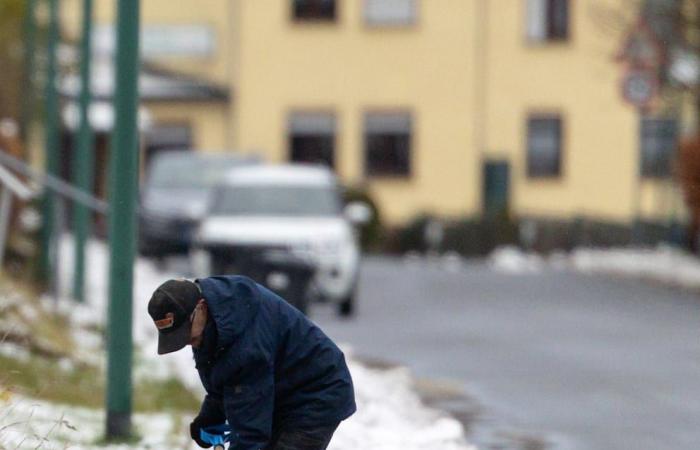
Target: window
167 136
658 141
388 144
312 138
390 12
544 136
313 10
547 20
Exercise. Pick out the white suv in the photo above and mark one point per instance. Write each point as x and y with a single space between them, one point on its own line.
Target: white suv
292 209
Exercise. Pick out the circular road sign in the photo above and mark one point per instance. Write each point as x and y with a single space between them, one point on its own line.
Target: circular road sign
639 87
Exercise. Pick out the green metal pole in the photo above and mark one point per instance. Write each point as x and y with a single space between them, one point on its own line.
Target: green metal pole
29 48
83 158
51 134
124 155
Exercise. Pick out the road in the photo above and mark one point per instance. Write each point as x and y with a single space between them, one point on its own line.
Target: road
555 360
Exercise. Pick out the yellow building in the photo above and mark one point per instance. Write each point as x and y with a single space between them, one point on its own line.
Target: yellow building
186 76
449 107
612 163
404 77
453 107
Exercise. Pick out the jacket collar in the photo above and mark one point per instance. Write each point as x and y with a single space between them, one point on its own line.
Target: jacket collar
233 303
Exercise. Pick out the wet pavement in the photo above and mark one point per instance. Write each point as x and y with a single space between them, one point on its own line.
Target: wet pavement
552 360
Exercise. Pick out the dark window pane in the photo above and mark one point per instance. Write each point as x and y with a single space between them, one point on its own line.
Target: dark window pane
658 142
314 9
387 154
544 147
312 138
388 144
558 19
165 137
312 149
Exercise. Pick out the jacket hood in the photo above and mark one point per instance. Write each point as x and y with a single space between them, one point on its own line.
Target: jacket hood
233 303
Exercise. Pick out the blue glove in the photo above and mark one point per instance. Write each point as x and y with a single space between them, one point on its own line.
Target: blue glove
216 435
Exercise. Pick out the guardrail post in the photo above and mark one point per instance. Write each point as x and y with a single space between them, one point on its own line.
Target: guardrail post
5 209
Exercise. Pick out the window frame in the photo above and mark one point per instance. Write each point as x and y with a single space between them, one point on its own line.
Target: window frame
334 135
396 175
150 149
366 20
531 174
644 165
547 39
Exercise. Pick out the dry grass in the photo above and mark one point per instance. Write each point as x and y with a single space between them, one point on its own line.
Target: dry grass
38 360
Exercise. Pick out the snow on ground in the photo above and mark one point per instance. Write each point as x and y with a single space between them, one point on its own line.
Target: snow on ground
513 260
390 417
662 264
390 414
146 279
31 424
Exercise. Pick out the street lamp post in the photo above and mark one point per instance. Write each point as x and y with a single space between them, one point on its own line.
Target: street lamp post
29 65
52 130
83 158
124 154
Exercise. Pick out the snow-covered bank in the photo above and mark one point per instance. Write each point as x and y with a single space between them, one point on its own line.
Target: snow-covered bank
390 415
662 264
513 260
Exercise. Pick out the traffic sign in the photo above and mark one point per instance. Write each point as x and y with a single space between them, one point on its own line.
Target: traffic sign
639 87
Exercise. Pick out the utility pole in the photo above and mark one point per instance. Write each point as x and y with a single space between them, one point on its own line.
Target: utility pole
83 158
124 154
28 82
51 149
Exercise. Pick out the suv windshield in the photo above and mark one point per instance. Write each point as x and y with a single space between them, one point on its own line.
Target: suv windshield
190 171
276 201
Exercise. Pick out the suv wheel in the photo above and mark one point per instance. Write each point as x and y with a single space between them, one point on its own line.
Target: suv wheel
346 308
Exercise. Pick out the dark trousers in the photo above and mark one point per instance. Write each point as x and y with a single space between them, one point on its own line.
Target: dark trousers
302 439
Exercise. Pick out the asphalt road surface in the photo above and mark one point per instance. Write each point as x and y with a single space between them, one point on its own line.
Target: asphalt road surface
553 360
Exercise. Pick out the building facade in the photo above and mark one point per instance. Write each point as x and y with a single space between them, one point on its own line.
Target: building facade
456 108
186 75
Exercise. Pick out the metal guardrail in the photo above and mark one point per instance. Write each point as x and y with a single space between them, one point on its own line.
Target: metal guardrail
15 186
11 185
54 183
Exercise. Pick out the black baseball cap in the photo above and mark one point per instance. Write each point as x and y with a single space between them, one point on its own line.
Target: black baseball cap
170 308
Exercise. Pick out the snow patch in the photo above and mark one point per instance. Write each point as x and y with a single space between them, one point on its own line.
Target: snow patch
662 264
514 261
391 416
30 424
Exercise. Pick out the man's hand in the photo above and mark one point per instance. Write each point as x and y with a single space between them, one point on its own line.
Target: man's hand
195 428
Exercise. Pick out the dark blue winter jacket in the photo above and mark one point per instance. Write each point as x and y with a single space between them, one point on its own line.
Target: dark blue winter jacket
264 365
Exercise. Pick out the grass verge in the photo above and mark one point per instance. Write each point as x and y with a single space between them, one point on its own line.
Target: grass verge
37 360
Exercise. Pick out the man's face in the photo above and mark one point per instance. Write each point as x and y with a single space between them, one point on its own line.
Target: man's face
199 321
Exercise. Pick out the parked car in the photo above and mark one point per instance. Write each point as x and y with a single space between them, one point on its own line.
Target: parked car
292 210
175 195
